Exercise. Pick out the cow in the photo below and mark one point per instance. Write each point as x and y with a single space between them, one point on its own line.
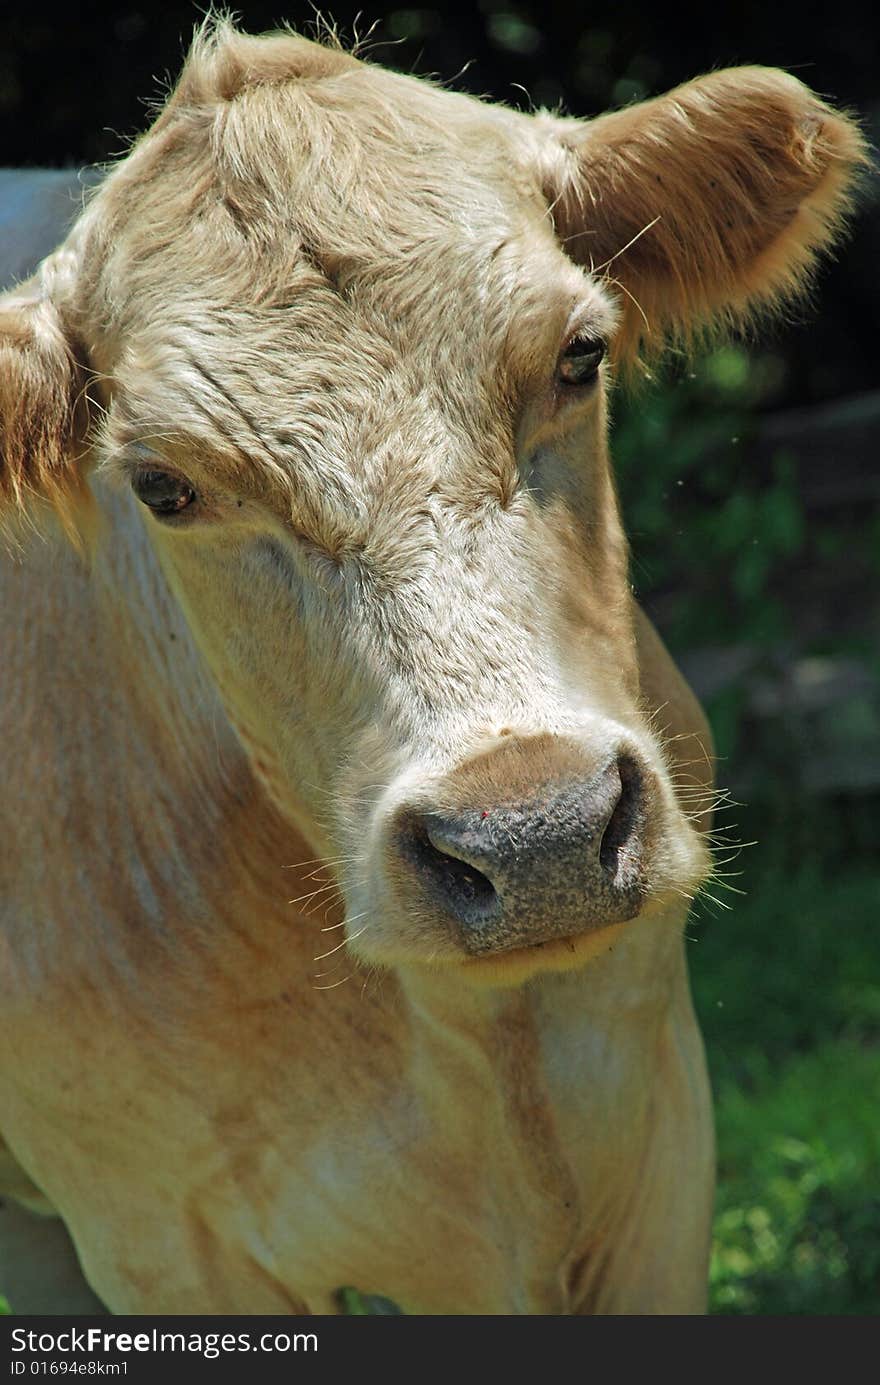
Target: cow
352 807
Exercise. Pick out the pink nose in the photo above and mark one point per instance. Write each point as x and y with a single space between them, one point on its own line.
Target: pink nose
568 858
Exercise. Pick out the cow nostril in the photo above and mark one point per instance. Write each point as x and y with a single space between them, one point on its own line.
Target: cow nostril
462 887
620 839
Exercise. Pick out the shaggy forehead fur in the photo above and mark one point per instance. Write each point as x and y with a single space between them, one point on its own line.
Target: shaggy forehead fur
309 259
272 266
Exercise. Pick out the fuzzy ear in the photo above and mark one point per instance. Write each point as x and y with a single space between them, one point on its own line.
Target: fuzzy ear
42 403
708 204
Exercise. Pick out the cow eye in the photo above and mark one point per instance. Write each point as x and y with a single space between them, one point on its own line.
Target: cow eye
162 492
580 361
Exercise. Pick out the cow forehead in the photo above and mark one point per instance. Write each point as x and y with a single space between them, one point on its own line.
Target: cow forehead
452 334
361 168
341 392
318 272
383 186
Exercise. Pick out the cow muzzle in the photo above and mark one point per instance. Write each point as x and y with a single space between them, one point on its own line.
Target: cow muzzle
508 864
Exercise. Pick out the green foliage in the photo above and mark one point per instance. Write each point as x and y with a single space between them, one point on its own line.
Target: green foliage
787 987
5 1310
723 553
797 1227
353 1303
688 493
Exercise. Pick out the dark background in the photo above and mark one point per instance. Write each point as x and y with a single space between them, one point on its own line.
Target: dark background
74 81
750 484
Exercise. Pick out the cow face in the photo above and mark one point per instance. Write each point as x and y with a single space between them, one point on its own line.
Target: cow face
350 337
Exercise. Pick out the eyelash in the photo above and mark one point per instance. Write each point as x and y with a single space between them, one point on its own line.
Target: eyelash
178 495
580 360
577 368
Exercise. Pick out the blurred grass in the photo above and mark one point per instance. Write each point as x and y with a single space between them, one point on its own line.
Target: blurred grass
787 988
786 984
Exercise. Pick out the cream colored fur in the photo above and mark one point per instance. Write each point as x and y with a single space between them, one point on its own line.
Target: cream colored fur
333 299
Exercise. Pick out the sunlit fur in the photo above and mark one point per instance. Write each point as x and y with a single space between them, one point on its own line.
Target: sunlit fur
707 207
333 299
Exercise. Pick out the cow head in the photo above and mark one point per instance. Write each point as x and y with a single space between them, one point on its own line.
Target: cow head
348 339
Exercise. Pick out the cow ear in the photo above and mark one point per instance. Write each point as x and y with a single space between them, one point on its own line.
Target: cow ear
707 205
43 409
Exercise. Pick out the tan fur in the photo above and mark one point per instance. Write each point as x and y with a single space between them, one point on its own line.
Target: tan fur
42 406
709 205
244 1056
